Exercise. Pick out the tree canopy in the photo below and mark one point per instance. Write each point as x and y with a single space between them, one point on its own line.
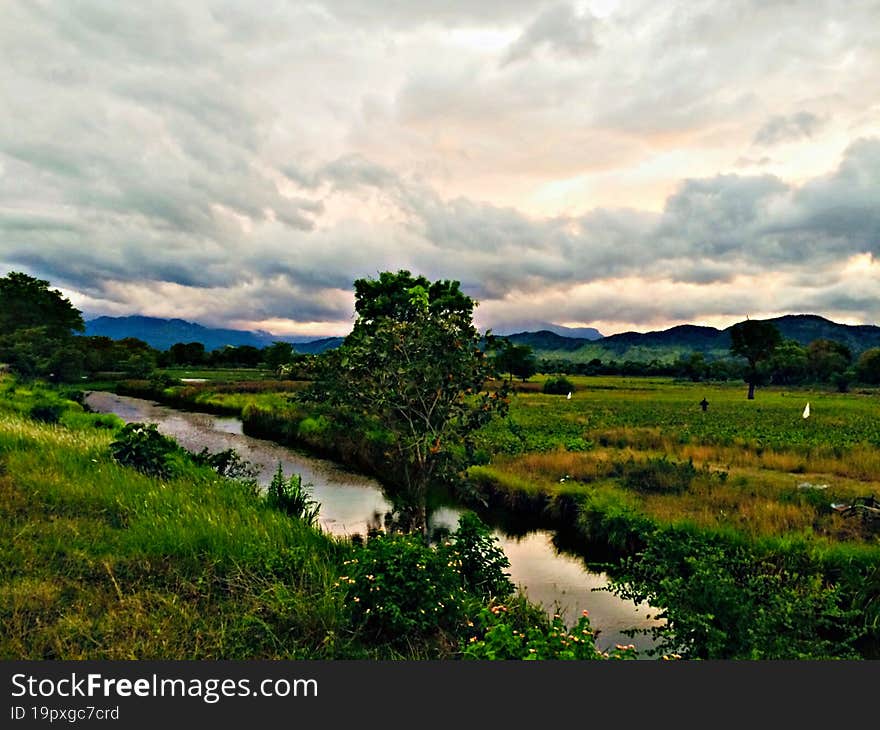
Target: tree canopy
413 368
755 341
28 303
517 360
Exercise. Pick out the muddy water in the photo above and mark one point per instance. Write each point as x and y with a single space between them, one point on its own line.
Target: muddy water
350 502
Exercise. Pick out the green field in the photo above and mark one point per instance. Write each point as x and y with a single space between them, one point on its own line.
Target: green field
222 375
750 457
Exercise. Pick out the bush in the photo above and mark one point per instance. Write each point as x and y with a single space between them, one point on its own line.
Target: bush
161 380
725 600
46 412
227 463
481 559
519 630
142 447
293 497
657 475
400 587
558 386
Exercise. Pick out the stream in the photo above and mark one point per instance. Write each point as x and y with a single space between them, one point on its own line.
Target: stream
350 502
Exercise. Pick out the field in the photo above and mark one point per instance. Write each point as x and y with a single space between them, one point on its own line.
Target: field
730 518
758 466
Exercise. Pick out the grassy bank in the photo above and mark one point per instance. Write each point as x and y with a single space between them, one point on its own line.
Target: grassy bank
100 561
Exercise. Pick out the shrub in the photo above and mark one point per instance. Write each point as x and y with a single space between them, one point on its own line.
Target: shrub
657 475
481 559
725 600
227 463
312 426
46 412
558 386
519 630
293 497
401 587
142 447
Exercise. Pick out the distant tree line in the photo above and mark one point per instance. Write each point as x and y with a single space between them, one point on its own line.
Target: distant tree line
787 362
40 336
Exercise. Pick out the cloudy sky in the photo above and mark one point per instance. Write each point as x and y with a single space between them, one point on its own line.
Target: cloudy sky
623 165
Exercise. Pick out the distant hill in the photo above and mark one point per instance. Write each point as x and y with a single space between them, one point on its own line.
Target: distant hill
662 345
163 333
582 333
667 345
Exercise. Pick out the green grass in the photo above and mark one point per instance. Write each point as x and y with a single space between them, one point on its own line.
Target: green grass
224 375
100 562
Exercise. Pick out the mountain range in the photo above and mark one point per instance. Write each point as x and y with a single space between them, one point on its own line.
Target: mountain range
163 333
550 341
669 344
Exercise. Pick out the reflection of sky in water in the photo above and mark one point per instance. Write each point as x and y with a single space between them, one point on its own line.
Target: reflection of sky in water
560 582
349 501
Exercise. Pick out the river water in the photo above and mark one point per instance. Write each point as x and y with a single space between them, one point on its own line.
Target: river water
350 502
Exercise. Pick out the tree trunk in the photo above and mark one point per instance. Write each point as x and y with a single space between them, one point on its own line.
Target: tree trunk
751 391
420 519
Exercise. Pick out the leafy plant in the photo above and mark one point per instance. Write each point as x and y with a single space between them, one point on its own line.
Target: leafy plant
400 587
558 385
481 559
724 600
142 447
46 412
519 630
227 463
290 495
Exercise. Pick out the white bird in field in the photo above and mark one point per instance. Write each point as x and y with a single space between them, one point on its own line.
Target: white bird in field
807 411
568 397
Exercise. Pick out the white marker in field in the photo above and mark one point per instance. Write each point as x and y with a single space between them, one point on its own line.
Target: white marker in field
807 411
568 397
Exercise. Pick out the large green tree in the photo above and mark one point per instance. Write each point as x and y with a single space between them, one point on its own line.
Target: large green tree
868 366
414 368
36 329
827 359
278 356
516 360
756 341
27 303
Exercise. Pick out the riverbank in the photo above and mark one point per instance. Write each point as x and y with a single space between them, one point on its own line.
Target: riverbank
795 594
350 502
100 561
